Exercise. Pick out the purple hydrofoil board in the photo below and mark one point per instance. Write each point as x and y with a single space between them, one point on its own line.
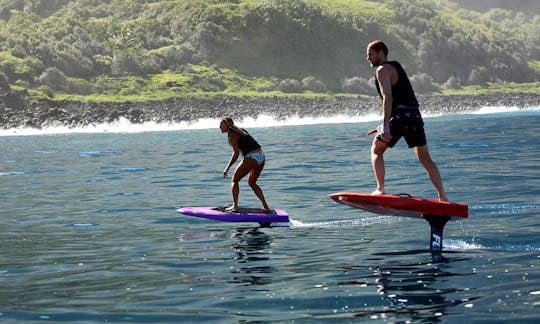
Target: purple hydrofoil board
242 215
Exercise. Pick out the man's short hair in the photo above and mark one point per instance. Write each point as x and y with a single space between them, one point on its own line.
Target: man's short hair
378 45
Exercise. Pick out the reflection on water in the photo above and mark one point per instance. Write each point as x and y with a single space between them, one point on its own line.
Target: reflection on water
419 291
249 247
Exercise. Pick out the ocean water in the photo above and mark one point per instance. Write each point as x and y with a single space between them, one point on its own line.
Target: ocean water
89 232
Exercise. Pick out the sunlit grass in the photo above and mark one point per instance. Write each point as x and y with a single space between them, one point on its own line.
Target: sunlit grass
535 65
158 93
494 88
359 7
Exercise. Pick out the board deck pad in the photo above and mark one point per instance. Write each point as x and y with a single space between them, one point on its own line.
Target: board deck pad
256 215
401 205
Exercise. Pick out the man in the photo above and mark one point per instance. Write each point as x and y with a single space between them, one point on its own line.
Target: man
401 118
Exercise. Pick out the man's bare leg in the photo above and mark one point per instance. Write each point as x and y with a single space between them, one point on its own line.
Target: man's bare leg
422 153
377 163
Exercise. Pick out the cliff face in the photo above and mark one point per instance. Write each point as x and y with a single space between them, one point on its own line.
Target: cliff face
17 110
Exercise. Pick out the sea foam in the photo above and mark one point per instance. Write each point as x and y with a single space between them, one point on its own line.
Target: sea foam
123 125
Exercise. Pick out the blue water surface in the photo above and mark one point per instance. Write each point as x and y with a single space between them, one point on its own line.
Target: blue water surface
89 232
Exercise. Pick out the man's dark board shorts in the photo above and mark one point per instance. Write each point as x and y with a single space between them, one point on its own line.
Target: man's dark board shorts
406 123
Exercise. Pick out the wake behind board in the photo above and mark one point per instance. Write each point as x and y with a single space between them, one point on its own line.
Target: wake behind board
401 205
242 215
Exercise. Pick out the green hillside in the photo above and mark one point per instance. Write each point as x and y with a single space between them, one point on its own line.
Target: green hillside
113 49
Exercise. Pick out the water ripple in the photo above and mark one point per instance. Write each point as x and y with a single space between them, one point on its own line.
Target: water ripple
89 229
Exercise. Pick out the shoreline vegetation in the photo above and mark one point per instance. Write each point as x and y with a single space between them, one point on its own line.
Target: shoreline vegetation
18 109
81 62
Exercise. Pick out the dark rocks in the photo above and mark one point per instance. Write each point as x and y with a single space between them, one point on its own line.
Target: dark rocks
12 99
17 110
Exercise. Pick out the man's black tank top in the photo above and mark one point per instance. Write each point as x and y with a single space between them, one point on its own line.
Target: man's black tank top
246 143
402 91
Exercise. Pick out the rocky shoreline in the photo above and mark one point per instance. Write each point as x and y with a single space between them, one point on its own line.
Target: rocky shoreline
18 111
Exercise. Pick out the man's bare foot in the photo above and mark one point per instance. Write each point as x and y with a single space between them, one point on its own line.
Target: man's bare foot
443 198
377 192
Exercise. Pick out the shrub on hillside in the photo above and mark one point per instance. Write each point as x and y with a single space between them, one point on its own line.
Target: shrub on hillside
311 83
423 83
4 84
453 83
79 86
356 85
53 78
479 75
290 86
15 68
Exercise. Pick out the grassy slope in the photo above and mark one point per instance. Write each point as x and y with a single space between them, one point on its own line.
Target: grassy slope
154 88
206 80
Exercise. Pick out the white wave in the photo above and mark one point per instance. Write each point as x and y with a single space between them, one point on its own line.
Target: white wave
269 121
495 110
123 125
459 245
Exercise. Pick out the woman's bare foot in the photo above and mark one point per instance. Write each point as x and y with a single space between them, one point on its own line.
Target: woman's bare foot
232 209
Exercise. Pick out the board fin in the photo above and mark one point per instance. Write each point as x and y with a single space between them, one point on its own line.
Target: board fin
437 224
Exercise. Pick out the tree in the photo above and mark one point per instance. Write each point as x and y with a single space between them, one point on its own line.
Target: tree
124 47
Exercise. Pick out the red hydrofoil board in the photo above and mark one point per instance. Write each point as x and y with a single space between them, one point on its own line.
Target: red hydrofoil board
264 218
401 205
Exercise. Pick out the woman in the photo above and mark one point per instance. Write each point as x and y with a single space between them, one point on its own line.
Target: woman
252 163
